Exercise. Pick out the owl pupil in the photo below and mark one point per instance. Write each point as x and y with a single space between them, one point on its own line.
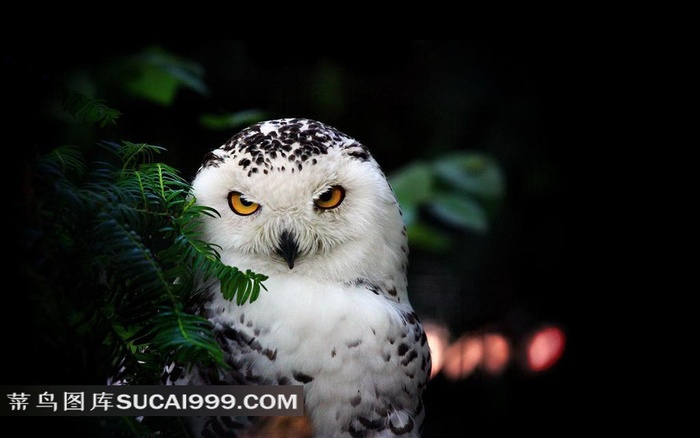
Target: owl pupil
246 203
326 196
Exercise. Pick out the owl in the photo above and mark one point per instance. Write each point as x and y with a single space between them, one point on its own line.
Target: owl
310 208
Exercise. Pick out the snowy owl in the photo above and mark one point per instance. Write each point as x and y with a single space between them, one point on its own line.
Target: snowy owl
309 207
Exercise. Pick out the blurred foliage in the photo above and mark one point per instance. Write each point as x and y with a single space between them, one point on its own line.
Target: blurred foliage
233 121
157 75
456 189
87 109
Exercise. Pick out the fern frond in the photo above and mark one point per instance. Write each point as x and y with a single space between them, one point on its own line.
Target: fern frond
88 109
187 335
136 229
134 154
205 258
62 160
130 257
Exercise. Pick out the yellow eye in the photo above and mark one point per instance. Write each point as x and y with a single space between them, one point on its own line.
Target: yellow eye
331 198
241 206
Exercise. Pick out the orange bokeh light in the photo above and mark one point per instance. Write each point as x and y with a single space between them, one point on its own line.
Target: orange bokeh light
496 353
462 357
545 348
438 337
491 351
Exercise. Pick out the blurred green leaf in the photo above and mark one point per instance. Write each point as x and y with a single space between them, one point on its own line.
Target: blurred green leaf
159 75
426 237
328 89
235 120
459 210
412 184
409 214
155 85
473 172
453 188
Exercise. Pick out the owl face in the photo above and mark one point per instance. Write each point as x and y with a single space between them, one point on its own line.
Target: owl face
298 197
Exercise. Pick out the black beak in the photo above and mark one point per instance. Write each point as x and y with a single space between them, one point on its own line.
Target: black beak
288 248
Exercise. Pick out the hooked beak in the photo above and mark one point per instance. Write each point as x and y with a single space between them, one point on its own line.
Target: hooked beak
288 248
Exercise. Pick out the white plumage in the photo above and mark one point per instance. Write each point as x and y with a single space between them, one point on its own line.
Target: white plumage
310 208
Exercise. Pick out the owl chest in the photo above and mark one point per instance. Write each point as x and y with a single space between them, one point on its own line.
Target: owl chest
307 331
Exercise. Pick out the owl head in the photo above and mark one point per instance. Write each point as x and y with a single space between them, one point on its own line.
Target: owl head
298 197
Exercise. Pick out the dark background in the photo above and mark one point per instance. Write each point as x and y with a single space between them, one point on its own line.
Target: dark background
528 103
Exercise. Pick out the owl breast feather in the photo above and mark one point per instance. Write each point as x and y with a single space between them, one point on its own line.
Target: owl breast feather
356 353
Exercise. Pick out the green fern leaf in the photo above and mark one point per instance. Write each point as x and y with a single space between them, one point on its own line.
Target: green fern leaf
88 109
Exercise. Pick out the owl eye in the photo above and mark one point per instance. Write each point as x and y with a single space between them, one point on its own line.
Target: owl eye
331 198
241 206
